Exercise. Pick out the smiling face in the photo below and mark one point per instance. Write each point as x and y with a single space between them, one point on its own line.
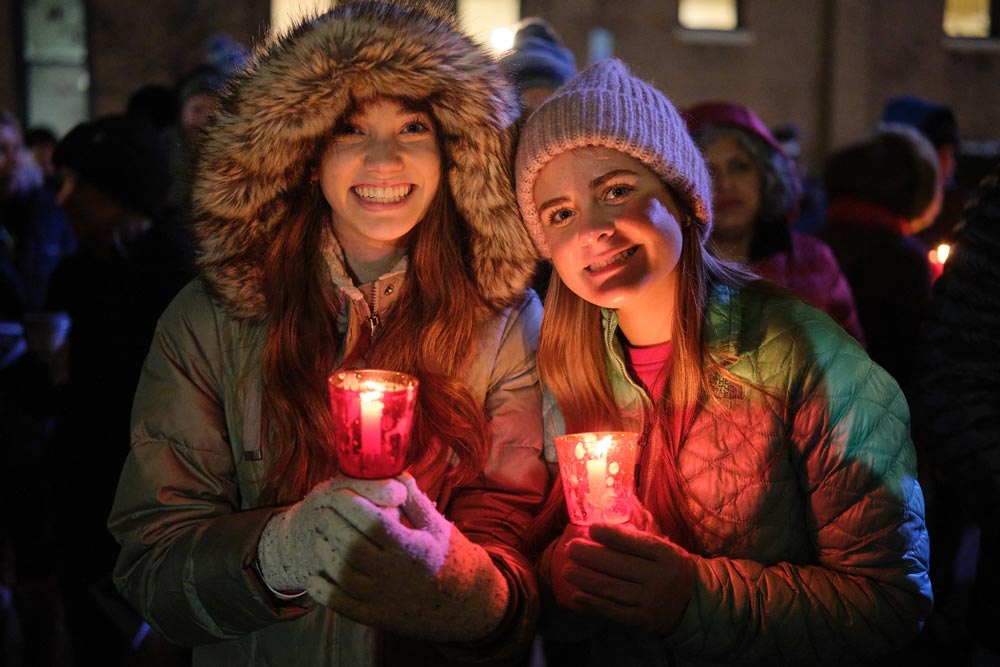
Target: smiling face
736 185
379 175
613 229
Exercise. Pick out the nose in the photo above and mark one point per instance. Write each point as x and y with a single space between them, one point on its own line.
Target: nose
597 226
383 156
721 179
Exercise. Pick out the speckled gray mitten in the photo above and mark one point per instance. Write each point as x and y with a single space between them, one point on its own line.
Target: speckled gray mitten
428 581
285 553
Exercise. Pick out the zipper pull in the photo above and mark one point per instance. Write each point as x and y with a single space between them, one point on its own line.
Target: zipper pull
373 319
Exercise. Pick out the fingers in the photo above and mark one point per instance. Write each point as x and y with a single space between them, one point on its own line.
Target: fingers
340 567
340 535
381 492
606 587
629 540
421 510
599 558
329 593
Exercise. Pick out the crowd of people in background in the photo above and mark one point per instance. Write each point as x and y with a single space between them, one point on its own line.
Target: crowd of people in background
96 240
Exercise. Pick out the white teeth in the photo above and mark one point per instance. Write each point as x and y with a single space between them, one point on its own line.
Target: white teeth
382 195
620 257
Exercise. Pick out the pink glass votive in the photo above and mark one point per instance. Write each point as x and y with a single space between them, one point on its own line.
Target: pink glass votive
598 475
372 416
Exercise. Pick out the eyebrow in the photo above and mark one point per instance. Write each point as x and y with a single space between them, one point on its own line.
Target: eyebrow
596 183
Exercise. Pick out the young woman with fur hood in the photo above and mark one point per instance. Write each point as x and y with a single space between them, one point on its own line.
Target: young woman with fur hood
354 208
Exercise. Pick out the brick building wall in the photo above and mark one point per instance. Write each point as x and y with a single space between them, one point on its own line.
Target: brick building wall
827 65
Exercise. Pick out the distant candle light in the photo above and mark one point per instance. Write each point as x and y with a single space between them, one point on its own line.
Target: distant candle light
502 39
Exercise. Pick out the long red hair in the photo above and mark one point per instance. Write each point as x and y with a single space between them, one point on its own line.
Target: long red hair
431 333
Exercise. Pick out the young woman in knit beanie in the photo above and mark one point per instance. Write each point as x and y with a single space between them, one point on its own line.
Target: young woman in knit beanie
780 518
354 206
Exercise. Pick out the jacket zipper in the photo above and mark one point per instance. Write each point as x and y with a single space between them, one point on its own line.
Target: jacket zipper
373 318
647 415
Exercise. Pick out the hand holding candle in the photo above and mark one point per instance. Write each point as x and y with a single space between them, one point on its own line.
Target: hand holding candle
372 414
598 475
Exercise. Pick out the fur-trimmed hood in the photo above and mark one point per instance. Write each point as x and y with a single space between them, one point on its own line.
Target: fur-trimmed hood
277 114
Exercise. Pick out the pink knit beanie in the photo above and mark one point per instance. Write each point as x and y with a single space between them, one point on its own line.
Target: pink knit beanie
604 105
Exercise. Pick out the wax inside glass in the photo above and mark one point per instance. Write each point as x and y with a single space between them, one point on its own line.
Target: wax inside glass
598 475
372 416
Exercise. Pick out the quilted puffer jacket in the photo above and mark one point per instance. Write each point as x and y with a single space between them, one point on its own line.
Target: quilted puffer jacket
801 482
188 512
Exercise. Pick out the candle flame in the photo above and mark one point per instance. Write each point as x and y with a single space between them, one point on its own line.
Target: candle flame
601 448
943 251
370 391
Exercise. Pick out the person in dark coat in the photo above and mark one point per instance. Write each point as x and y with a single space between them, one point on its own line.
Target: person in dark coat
960 389
877 189
130 264
34 233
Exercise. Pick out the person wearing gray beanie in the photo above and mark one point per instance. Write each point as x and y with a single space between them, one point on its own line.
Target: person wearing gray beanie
777 515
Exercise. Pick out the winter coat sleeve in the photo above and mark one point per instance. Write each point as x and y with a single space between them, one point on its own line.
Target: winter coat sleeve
188 552
865 590
494 510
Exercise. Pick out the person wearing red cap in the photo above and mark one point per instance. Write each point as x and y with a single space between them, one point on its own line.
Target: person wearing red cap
756 190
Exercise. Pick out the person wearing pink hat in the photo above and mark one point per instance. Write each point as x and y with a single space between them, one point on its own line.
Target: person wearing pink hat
778 516
756 190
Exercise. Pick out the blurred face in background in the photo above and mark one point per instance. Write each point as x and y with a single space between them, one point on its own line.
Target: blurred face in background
196 114
94 216
10 151
736 188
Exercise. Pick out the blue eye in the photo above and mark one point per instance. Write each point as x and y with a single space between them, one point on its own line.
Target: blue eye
558 217
618 191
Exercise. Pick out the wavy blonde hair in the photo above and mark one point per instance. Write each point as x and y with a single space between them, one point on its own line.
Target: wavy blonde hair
571 362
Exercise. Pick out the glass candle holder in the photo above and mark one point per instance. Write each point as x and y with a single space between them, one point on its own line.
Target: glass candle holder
598 475
372 416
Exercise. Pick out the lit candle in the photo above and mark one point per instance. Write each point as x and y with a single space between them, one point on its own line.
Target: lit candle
597 475
371 420
372 408
597 471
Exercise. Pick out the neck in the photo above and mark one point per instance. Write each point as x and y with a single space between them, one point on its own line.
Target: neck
365 267
648 320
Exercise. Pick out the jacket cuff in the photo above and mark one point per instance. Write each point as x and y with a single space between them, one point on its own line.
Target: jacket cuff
223 582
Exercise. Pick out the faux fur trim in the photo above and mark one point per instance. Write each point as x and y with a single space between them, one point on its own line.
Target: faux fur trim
276 116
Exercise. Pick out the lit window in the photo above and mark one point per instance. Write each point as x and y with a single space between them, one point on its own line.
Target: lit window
709 14
969 18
